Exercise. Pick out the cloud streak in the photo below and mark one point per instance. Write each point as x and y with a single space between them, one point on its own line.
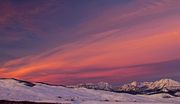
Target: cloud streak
123 42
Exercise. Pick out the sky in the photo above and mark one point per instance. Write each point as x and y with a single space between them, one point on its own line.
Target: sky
82 41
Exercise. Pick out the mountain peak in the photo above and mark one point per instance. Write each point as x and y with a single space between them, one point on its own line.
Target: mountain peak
134 83
165 83
168 81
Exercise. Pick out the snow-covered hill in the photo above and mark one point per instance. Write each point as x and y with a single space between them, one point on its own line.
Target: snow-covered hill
16 90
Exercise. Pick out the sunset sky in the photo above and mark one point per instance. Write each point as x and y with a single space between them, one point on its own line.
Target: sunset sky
77 41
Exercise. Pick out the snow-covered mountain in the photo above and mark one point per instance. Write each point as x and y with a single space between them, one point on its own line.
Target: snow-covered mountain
160 86
96 86
17 90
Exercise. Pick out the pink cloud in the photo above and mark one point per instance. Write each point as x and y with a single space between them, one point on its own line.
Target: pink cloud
109 43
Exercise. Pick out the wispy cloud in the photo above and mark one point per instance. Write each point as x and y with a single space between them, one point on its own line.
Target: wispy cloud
119 43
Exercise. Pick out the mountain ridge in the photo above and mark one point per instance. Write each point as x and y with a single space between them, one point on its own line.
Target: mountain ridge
159 86
17 90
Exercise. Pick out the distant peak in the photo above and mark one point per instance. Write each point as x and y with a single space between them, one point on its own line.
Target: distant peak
167 80
166 83
134 83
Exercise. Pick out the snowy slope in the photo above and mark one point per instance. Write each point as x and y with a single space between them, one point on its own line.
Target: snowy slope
15 90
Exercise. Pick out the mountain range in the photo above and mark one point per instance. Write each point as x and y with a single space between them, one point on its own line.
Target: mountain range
169 86
162 91
161 86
